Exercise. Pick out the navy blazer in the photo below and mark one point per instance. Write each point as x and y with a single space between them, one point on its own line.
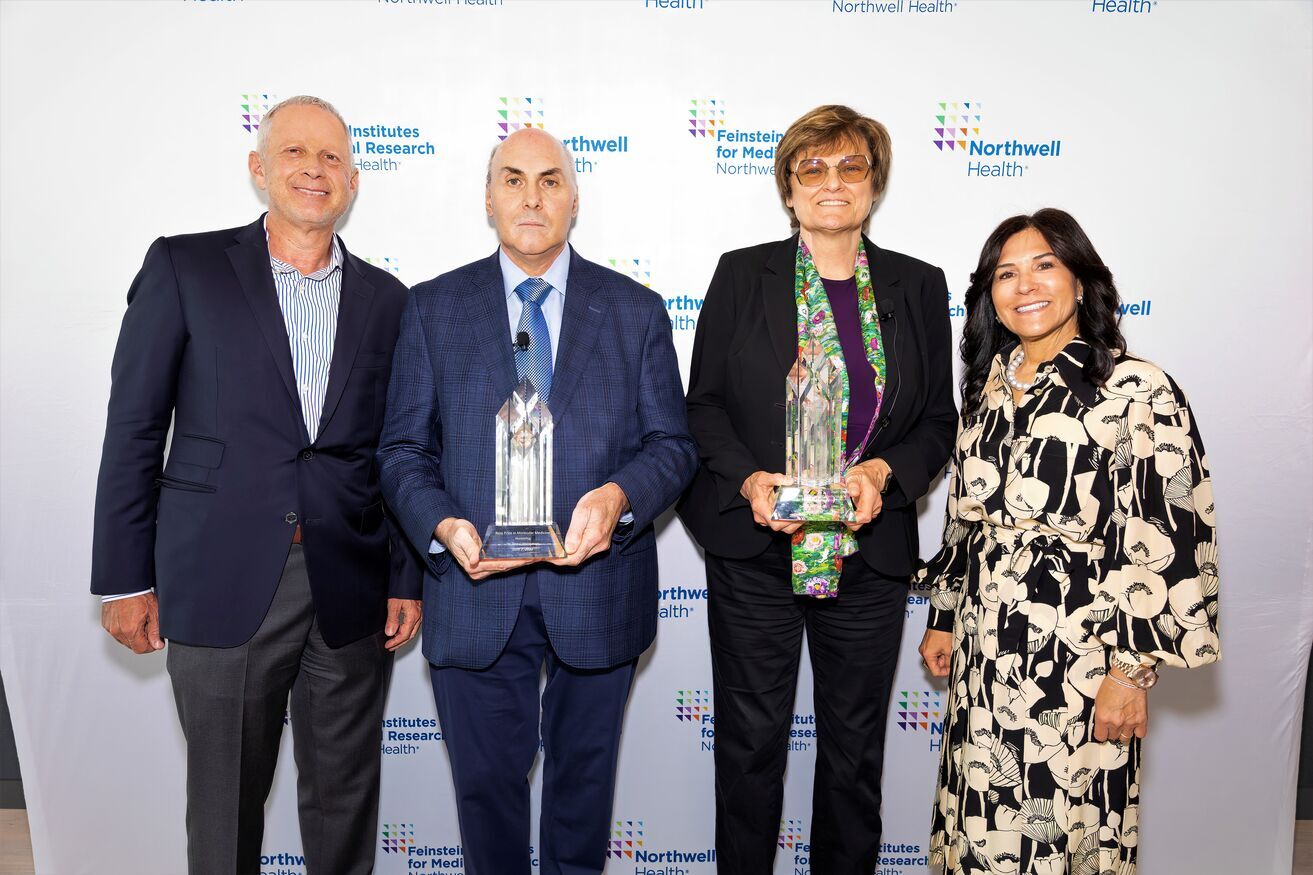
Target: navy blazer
618 408
746 342
203 344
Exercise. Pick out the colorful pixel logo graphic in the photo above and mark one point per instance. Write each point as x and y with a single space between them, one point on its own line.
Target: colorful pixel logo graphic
918 710
515 113
637 269
690 705
705 116
956 123
391 265
254 107
626 837
398 838
790 834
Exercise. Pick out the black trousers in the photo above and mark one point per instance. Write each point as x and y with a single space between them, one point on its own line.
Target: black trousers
232 702
756 627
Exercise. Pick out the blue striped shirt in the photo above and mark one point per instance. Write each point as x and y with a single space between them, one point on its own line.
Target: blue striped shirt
309 305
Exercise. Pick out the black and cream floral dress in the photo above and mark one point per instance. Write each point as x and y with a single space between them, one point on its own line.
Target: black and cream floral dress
1079 523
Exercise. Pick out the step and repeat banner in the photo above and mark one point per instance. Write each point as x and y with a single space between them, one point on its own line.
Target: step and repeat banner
1179 133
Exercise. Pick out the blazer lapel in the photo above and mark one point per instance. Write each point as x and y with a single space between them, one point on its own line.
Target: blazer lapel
250 261
354 303
580 325
890 302
485 308
779 304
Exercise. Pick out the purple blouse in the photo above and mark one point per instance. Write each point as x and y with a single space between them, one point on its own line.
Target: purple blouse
861 376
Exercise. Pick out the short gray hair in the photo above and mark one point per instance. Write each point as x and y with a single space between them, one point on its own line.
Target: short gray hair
569 162
262 136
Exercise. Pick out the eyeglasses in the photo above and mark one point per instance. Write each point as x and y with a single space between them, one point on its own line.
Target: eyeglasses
814 171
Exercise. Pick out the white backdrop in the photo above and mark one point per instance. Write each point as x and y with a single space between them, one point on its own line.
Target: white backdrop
1184 129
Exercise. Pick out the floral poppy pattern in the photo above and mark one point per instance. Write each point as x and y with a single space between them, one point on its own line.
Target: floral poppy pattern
1080 523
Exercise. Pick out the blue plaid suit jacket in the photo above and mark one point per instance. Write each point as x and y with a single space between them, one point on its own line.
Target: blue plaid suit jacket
618 406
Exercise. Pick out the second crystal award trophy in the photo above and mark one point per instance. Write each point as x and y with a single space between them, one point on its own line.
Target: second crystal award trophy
524 528
813 442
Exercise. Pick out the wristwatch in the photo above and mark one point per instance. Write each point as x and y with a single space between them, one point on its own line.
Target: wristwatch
1143 676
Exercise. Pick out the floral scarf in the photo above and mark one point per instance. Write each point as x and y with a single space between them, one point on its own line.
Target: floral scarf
819 548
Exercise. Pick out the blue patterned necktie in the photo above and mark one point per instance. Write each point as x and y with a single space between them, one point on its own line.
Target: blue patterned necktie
535 362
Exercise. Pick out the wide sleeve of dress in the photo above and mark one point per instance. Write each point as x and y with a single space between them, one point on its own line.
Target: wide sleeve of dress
946 571
1157 592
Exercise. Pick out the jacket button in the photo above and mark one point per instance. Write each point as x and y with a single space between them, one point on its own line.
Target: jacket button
308 455
290 518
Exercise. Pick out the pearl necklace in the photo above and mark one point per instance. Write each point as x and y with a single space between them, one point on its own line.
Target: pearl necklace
1010 374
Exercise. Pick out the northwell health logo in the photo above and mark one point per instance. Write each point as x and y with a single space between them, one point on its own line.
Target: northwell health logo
955 124
957 129
921 711
634 840
515 113
683 309
626 839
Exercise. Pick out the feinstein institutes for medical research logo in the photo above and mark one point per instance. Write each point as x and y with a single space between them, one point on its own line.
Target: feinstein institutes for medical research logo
738 151
385 262
398 838
254 106
958 129
683 309
790 833
692 706
384 146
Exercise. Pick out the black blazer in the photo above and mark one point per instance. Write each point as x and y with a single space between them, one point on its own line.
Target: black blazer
746 342
203 345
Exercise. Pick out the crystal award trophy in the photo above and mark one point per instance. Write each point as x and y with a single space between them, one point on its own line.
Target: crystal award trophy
813 442
524 527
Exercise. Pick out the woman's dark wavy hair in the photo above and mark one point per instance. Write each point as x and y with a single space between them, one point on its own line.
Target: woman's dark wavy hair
1097 318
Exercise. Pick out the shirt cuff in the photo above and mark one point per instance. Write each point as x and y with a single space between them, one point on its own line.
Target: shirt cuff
123 595
436 548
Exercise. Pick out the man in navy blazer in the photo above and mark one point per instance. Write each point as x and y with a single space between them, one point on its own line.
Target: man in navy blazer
601 354
261 548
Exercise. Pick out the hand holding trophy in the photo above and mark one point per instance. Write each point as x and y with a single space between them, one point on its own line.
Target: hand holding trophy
813 442
524 528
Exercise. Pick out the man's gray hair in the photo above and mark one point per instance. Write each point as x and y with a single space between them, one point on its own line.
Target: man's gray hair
565 151
262 136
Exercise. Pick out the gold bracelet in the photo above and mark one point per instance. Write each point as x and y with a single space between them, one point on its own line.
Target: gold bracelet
1130 686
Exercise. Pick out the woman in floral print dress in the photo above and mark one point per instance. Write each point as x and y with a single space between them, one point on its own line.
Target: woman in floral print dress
1079 555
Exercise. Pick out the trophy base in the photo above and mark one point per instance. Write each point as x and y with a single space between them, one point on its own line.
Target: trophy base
509 541
825 504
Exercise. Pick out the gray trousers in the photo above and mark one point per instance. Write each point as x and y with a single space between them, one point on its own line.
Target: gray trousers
233 702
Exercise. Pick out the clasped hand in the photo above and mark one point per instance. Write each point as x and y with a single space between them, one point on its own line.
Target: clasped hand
592 526
864 482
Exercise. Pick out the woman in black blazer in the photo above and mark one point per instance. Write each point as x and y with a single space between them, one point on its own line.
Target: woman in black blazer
883 317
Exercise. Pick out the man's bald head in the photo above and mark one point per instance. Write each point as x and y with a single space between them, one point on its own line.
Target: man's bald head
537 136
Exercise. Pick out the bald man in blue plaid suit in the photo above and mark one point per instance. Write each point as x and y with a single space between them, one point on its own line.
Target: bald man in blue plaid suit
600 352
